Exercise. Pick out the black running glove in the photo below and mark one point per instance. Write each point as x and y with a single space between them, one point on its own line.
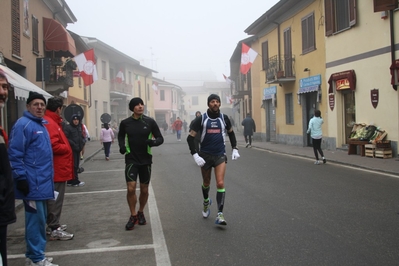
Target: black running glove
122 150
23 186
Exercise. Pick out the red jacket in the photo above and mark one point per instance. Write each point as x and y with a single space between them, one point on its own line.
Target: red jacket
62 152
177 124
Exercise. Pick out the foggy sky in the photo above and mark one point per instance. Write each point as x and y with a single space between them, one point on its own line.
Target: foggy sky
170 36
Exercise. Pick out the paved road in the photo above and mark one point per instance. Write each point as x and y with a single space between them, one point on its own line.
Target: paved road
281 210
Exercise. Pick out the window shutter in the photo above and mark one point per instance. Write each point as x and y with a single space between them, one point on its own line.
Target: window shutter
265 55
16 29
329 17
352 12
384 5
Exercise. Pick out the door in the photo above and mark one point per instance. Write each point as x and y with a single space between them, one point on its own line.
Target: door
311 106
270 122
349 112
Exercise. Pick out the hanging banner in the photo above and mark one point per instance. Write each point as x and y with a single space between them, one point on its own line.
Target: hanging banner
331 101
374 97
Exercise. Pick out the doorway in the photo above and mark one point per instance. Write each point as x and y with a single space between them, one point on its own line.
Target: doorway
349 113
311 106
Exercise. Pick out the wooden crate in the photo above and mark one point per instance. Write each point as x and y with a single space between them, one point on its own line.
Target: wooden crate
369 150
383 153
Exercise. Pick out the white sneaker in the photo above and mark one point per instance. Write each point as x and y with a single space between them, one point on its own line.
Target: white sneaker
62 226
59 234
317 162
207 209
44 262
220 219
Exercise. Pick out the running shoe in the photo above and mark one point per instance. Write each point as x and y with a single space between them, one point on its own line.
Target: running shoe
62 226
317 162
324 160
207 208
45 262
79 184
28 261
141 218
132 221
60 234
220 219
247 145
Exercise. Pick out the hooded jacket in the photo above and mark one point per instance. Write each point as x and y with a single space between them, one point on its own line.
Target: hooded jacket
7 197
62 151
315 127
74 134
31 157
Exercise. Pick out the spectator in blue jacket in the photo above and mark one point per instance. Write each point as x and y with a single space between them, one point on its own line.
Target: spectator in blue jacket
31 159
316 134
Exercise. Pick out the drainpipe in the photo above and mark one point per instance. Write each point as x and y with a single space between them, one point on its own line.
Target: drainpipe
391 24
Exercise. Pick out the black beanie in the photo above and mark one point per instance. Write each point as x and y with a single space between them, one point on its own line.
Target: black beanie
212 97
34 95
135 101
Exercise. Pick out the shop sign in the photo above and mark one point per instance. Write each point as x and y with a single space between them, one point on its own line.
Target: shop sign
342 84
331 101
269 92
374 97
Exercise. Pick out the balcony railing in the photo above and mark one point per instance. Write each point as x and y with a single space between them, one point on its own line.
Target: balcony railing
61 73
122 87
280 69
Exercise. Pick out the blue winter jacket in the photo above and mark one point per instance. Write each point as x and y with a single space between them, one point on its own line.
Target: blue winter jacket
315 127
31 157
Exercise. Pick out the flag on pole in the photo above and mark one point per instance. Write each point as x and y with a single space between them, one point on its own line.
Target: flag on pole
120 77
87 66
248 56
227 79
155 86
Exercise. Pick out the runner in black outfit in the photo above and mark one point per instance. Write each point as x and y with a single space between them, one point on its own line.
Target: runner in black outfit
213 127
142 133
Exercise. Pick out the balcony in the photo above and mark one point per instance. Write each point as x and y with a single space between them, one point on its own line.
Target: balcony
61 75
120 88
280 69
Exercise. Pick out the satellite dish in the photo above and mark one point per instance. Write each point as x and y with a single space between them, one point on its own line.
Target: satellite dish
73 109
105 118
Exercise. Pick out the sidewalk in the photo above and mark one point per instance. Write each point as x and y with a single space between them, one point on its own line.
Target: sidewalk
390 165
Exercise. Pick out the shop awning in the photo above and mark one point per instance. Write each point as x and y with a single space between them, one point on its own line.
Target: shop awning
308 89
57 38
22 86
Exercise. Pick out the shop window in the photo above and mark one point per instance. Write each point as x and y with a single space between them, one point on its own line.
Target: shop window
339 15
289 109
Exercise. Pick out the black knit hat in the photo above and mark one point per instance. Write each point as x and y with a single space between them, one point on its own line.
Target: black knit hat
135 101
213 97
34 95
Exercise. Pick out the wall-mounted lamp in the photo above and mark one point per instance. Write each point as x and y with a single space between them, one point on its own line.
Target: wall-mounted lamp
306 70
280 84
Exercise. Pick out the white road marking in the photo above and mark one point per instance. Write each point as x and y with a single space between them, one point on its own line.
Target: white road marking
158 237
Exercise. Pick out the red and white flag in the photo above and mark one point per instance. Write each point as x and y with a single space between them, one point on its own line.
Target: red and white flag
155 86
248 56
87 66
120 77
227 79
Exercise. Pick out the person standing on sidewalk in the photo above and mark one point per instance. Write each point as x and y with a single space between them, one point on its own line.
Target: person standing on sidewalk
73 132
213 125
63 168
7 197
197 138
107 138
316 134
177 125
31 159
137 134
249 129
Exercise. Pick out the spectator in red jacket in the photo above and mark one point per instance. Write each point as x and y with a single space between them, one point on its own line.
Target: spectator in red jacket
177 125
63 168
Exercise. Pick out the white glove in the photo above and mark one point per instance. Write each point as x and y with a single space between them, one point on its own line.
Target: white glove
235 155
199 160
